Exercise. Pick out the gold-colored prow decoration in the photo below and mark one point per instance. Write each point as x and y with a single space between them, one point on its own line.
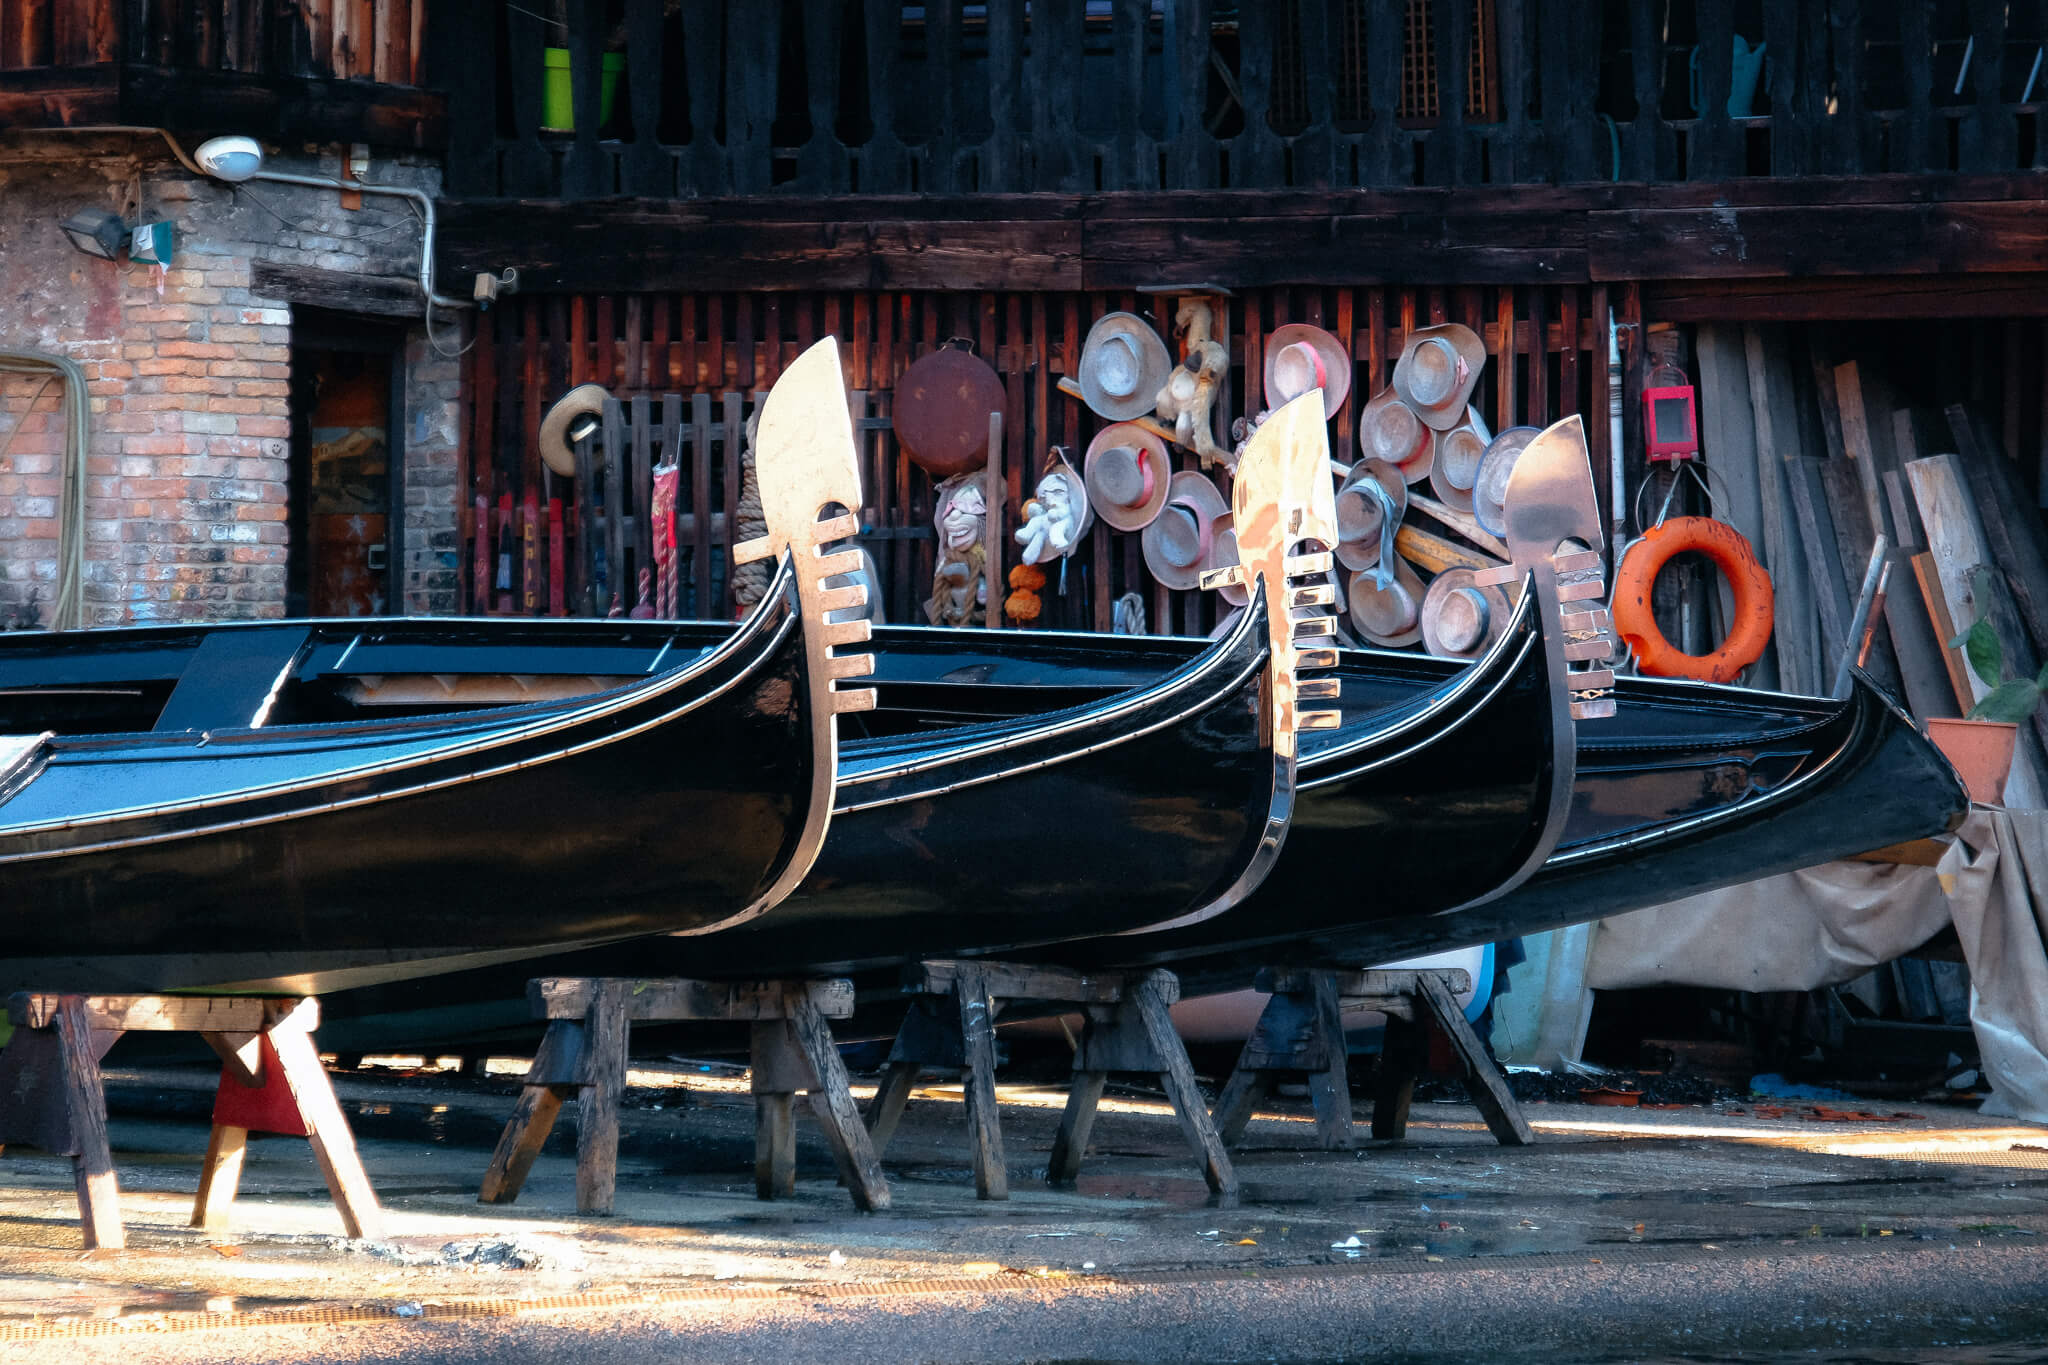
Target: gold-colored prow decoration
1553 520
806 462
1285 511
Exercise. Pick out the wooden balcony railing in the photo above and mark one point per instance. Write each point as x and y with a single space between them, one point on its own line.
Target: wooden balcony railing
342 70
744 97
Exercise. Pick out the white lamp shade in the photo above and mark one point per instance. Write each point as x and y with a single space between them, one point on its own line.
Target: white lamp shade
233 159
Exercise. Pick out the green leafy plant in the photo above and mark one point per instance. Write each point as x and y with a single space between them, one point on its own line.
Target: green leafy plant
2010 701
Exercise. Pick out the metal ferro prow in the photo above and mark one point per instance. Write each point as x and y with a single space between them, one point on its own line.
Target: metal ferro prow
1282 497
805 460
1553 520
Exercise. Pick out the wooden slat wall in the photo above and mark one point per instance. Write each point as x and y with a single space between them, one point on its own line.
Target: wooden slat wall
372 40
719 352
1587 92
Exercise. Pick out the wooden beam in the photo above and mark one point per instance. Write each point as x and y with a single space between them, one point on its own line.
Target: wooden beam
558 997
343 291
170 1013
591 247
282 109
1529 234
59 97
1258 249
2012 527
1881 297
1875 239
1728 427
1794 634
1009 981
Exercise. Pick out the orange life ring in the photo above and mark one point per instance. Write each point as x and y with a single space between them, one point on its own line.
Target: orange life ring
1732 555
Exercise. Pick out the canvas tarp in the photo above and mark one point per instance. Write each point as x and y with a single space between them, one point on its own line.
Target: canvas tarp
1829 924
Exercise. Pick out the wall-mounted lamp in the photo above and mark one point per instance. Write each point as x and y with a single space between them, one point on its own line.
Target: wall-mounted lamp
97 232
233 159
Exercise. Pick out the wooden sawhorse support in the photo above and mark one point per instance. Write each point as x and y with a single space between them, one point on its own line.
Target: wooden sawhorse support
583 1055
1301 1032
271 1082
1127 1029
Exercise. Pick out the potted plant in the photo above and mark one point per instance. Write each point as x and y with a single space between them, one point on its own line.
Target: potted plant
1981 744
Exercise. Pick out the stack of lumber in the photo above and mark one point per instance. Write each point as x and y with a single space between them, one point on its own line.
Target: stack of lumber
1813 460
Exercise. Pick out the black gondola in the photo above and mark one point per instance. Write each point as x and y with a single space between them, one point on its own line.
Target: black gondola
242 843
203 808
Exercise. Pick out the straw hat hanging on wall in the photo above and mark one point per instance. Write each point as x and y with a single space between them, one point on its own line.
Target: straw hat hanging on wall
1389 430
1389 616
1362 515
1458 453
1490 489
1300 357
556 450
1460 619
1438 369
1126 471
1181 540
1123 366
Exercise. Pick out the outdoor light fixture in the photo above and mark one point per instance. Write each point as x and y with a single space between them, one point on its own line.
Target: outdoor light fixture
97 232
233 159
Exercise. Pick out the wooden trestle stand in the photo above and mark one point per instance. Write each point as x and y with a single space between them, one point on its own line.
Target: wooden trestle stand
1301 1033
1128 1029
271 1082
583 1056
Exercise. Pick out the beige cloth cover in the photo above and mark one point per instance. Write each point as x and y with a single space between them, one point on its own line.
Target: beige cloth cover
1829 924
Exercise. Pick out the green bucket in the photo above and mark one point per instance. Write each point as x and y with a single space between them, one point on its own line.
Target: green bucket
557 100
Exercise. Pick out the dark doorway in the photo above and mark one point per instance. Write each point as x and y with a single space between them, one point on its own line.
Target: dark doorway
346 518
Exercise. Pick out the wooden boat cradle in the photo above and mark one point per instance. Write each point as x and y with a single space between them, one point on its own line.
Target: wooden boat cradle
583 1056
1128 1029
271 1081
1301 1033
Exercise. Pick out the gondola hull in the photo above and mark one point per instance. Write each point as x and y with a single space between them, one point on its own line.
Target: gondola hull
1658 816
314 857
1123 813
1689 787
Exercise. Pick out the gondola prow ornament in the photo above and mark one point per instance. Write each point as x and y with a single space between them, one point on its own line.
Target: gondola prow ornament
1285 514
1553 518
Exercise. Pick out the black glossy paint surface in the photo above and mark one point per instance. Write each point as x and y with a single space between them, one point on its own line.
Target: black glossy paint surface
277 856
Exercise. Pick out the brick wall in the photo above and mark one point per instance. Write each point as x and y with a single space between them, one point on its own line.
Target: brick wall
189 378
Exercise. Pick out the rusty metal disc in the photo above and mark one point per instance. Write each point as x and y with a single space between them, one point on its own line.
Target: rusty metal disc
941 411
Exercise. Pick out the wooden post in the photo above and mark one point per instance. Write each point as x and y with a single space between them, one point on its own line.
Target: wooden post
977 1031
832 1099
774 1145
992 525
597 1118
1070 1142
1329 1088
1177 1078
1495 1102
1404 1048
334 1147
551 1078
85 1108
219 1176
885 1111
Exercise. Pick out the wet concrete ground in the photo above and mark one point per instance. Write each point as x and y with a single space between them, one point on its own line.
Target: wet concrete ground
1620 1235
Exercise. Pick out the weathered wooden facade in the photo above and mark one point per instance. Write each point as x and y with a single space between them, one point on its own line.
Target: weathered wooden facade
734 180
